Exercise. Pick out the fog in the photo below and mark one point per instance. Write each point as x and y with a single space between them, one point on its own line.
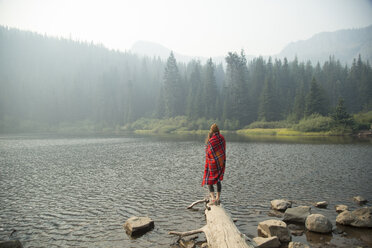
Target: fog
206 28
59 71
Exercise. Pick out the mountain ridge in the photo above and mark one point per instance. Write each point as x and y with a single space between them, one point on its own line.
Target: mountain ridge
344 45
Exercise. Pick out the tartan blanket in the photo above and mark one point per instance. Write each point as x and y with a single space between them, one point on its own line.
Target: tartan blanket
215 160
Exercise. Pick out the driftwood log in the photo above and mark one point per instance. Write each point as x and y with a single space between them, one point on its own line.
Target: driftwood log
220 229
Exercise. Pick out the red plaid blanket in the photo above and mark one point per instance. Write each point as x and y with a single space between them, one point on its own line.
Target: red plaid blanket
215 160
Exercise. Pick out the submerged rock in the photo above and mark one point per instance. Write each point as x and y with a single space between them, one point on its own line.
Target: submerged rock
297 245
360 200
318 223
280 205
341 208
321 204
138 225
272 242
271 228
275 213
11 244
361 217
297 214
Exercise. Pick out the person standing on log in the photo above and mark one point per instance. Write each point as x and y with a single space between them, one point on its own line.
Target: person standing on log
215 162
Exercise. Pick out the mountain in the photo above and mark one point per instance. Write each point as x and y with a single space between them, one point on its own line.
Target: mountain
152 49
344 45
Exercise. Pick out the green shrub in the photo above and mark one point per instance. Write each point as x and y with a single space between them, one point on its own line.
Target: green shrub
314 123
363 120
271 124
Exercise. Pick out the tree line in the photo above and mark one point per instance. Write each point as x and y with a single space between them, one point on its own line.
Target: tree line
48 81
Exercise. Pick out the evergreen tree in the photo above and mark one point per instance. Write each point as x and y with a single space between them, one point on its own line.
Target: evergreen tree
341 116
237 102
172 89
268 106
210 90
299 104
315 102
195 99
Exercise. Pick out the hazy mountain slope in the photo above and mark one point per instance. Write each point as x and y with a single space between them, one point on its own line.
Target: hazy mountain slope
152 49
344 45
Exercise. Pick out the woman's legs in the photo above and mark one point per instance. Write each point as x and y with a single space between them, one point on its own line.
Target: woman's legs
211 192
219 187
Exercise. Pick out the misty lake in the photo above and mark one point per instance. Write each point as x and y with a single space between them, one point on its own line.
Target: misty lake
79 191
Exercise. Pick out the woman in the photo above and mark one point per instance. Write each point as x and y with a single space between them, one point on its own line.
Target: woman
214 162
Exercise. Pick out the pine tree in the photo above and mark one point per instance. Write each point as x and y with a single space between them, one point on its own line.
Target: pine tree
315 102
194 107
210 90
172 89
341 116
299 104
268 109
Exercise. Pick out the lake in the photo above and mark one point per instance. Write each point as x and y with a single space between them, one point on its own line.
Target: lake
79 191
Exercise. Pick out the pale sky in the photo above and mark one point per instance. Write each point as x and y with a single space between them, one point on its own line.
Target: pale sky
191 27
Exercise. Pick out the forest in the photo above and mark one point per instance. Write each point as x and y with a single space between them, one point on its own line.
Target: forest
50 83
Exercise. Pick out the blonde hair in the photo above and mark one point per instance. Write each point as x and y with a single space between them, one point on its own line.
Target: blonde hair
214 129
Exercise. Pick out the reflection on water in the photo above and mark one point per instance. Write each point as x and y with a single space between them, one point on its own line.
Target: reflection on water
66 192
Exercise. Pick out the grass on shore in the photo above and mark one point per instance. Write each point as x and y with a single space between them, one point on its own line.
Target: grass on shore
278 132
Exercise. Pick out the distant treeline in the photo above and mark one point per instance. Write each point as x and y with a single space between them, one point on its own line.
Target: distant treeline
48 82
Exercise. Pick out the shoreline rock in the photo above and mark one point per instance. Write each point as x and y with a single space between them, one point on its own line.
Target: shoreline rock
271 242
321 204
318 223
360 200
271 228
280 204
138 225
297 214
341 208
361 217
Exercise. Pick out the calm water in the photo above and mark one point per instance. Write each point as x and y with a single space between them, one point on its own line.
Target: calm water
78 192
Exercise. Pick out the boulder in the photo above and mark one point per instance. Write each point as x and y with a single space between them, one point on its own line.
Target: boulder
187 243
360 200
280 205
296 230
297 245
341 208
272 242
318 223
321 204
271 228
275 213
138 225
297 214
11 244
361 217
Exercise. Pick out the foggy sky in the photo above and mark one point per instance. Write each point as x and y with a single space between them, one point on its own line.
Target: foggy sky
191 27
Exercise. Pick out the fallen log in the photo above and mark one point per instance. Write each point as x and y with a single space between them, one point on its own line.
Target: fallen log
220 229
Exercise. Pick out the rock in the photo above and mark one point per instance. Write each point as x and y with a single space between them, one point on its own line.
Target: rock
280 205
138 225
296 230
360 200
321 204
204 245
297 214
361 217
275 213
271 228
187 244
318 223
272 242
11 244
341 208
297 245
